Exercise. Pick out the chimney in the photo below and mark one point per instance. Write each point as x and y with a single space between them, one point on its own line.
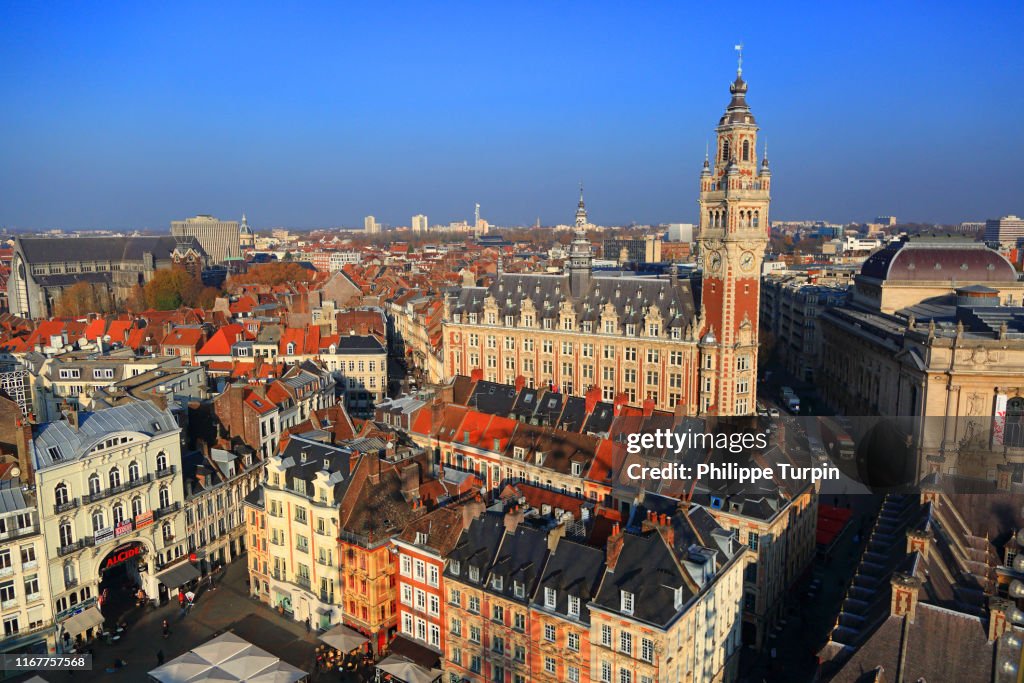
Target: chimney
620 400
555 535
919 541
614 547
905 588
72 415
375 467
999 617
22 439
648 407
520 383
471 509
513 517
593 396
477 374
410 475
662 524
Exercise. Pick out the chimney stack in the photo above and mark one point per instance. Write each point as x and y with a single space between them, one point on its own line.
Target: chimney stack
22 440
648 407
614 547
905 588
513 517
471 509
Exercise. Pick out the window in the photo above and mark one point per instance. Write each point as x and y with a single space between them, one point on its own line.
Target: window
161 461
573 674
647 650
114 477
626 642
627 602
67 536
549 665
550 597
406 594
625 676
629 353
574 606
7 591
118 513
60 494
32 585
498 613
550 633
28 555
519 621
94 483
474 604
606 672
168 532
752 540
743 363
606 635
405 566
165 496
573 641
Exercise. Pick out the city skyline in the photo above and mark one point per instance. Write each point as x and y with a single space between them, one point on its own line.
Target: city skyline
319 119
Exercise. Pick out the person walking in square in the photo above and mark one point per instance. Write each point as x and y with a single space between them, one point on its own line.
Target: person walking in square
160 658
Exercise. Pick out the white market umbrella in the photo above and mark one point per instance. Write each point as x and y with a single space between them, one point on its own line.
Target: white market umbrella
407 670
181 669
220 649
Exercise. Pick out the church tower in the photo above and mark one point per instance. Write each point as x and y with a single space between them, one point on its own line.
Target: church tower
733 234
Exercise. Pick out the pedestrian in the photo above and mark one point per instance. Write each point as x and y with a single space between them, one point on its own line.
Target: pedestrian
181 599
167 628
160 658
307 624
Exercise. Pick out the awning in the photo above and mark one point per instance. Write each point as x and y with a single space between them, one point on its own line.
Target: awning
83 621
407 670
323 610
343 638
178 575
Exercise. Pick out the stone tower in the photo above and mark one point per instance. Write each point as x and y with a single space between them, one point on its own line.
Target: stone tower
733 234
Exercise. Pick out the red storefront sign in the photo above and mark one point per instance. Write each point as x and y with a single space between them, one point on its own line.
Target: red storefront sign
122 554
143 520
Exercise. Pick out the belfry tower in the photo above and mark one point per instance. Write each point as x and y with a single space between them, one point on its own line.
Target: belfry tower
733 234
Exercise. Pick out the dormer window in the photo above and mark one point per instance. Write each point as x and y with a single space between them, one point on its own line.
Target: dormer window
577 469
626 601
574 606
290 349
678 598
519 588
474 574
550 597
496 582
455 567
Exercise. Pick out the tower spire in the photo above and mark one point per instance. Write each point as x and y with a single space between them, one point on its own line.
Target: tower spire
581 212
739 66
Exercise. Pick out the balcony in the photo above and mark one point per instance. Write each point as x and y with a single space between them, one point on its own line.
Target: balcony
166 510
165 472
114 490
64 507
72 547
326 597
302 582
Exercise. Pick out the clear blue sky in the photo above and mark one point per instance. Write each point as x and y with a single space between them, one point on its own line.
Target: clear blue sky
129 115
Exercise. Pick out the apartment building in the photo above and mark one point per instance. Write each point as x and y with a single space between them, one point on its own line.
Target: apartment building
219 239
26 606
216 485
110 497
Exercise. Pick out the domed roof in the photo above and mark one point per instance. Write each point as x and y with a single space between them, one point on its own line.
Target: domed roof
929 259
738 110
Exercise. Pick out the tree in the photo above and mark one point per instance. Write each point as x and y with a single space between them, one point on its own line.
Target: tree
274 274
170 289
83 298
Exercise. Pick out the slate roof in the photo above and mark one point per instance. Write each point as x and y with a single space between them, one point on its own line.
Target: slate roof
55 250
477 546
572 569
520 559
59 442
547 292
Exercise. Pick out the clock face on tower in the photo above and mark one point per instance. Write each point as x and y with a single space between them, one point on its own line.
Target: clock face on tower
714 262
747 261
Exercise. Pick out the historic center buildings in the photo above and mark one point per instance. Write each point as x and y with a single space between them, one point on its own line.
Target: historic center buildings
681 345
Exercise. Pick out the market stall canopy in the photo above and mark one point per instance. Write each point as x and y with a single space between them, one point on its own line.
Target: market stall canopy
343 638
227 658
408 670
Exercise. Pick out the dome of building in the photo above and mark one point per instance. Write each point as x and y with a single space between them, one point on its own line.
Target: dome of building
738 110
939 258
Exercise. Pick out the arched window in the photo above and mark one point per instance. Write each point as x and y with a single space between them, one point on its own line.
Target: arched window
114 477
98 521
67 536
746 150
290 349
165 496
161 461
118 513
133 471
136 506
1013 434
94 483
757 219
725 149
168 532
60 494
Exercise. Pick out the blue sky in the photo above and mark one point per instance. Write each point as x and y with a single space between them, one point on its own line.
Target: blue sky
129 115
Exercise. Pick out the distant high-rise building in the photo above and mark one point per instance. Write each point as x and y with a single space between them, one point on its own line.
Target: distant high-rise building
419 223
219 239
886 220
680 232
1005 230
371 226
